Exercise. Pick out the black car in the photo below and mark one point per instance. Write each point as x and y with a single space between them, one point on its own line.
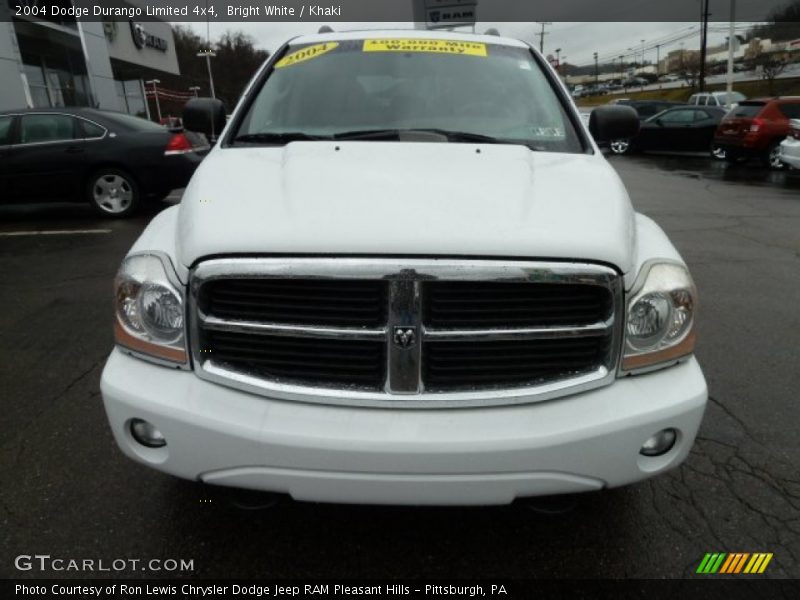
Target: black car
649 108
112 160
679 129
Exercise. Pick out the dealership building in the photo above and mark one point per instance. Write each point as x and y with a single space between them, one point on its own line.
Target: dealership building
48 61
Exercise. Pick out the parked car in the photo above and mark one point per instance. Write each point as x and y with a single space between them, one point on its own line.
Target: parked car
716 99
112 160
635 82
648 108
756 128
346 306
790 147
678 129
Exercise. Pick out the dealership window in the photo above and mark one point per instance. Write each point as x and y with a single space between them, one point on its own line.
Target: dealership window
36 82
55 80
130 97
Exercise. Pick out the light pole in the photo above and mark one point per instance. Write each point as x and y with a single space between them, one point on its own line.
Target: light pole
195 89
208 55
596 71
155 83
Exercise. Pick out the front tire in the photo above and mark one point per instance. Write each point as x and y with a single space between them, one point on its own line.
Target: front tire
113 193
620 146
718 152
772 158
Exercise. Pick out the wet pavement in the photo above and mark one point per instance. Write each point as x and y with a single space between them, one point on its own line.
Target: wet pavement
65 489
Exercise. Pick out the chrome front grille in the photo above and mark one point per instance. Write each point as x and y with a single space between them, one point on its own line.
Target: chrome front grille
415 332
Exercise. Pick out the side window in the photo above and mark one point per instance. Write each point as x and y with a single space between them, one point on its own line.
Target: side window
5 130
790 111
679 116
91 130
693 99
46 128
701 115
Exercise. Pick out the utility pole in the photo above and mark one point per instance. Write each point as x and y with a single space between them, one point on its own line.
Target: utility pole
542 34
596 71
642 54
731 42
658 59
703 46
209 54
155 83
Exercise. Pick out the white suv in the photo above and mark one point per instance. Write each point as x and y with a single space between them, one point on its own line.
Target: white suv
405 274
717 99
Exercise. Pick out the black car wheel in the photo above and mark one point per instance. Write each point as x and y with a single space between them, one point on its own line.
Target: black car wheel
772 157
113 193
620 146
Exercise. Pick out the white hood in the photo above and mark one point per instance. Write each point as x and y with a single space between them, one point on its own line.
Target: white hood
406 198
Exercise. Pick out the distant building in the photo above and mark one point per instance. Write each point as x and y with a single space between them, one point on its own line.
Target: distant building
62 61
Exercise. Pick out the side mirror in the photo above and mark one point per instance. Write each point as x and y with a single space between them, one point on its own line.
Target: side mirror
617 122
204 115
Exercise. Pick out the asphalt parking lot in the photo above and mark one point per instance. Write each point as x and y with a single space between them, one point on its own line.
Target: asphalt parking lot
65 489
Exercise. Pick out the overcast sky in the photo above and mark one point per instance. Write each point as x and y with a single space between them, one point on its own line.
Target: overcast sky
577 41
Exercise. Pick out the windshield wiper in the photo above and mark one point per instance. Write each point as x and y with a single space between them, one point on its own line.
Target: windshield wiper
276 138
450 136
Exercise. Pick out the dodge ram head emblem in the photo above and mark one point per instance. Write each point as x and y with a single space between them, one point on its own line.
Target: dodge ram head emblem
405 337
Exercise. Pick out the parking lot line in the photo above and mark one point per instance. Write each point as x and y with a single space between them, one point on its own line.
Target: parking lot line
55 232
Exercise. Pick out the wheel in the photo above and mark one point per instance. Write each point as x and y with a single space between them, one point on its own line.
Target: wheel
718 152
620 146
113 193
734 159
772 157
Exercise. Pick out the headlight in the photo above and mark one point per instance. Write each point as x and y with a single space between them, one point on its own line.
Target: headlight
659 327
148 305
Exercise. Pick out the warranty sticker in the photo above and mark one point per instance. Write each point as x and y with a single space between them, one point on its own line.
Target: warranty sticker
305 54
425 45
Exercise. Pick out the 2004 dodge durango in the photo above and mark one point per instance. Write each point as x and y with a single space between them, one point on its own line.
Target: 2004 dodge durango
405 275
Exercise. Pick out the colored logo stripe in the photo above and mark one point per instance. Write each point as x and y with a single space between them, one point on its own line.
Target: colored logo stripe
711 562
733 563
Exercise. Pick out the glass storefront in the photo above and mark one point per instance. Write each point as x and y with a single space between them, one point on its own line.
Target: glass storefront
54 66
130 97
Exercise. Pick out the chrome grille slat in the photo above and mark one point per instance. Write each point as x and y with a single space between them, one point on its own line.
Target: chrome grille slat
484 331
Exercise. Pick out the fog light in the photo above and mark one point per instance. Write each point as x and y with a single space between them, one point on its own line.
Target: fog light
660 443
146 434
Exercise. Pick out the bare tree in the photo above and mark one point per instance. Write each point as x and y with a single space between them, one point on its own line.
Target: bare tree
771 65
689 68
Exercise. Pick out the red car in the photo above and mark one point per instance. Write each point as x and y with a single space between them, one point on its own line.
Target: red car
756 128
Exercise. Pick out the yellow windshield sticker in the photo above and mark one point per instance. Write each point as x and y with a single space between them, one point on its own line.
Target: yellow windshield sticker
305 54
426 45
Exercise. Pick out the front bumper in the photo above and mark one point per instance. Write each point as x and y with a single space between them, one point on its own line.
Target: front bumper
403 456
790 152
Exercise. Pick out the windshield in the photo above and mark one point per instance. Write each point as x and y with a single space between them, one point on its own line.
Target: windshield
373 85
